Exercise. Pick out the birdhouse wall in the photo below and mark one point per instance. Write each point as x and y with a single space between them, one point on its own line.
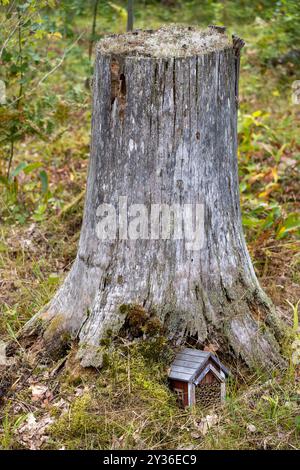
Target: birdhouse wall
183 387
209 378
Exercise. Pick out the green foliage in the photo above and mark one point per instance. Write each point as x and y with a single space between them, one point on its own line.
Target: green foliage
262 154
44 138
25 31
130 406
44 68
9 427
32 109
281 32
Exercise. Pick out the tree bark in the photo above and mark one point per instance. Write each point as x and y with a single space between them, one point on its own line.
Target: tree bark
130 15
164 131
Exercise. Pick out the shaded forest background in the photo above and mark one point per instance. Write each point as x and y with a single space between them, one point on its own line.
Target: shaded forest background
46 63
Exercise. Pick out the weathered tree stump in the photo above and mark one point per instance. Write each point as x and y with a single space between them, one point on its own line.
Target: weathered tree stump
164 131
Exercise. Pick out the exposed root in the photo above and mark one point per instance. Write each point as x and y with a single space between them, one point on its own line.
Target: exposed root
251 338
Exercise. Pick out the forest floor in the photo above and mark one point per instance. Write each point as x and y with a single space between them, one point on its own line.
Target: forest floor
127 404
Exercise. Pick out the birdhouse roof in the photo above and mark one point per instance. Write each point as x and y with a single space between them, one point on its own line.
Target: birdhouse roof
189 363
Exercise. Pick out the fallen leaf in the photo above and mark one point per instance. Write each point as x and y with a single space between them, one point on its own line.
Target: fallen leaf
32 433
251 428
206 423
38 392
211 348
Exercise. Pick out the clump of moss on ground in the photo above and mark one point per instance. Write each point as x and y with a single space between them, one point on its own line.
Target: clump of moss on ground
128 404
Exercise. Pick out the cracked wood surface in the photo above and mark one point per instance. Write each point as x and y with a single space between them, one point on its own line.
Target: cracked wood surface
164 130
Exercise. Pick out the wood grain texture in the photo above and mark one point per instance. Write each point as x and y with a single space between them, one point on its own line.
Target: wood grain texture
168 136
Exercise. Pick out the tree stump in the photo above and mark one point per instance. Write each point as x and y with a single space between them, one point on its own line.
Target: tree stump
164 131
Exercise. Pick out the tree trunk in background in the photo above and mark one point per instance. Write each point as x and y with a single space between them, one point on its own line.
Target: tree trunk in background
92 38
164 130
130 15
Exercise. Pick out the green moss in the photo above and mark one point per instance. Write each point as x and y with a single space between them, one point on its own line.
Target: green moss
74 425
139 322
105 360
137 316
153 326
56 325
74 379
105 342
124 308
128 387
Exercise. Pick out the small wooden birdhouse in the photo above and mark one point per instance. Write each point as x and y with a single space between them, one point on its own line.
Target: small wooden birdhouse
198 377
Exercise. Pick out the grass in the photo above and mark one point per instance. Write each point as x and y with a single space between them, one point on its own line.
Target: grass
128 404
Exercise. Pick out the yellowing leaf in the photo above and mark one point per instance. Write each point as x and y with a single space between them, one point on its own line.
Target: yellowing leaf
120 10
275 174
256 177
281 231
40 34
56 35
270 187
275 93
51 3
257 113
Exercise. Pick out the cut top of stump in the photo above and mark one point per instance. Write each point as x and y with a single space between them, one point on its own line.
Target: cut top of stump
169 41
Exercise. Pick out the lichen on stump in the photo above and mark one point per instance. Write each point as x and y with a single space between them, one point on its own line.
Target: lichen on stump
164 131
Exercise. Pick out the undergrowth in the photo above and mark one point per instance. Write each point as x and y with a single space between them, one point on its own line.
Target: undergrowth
128 404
